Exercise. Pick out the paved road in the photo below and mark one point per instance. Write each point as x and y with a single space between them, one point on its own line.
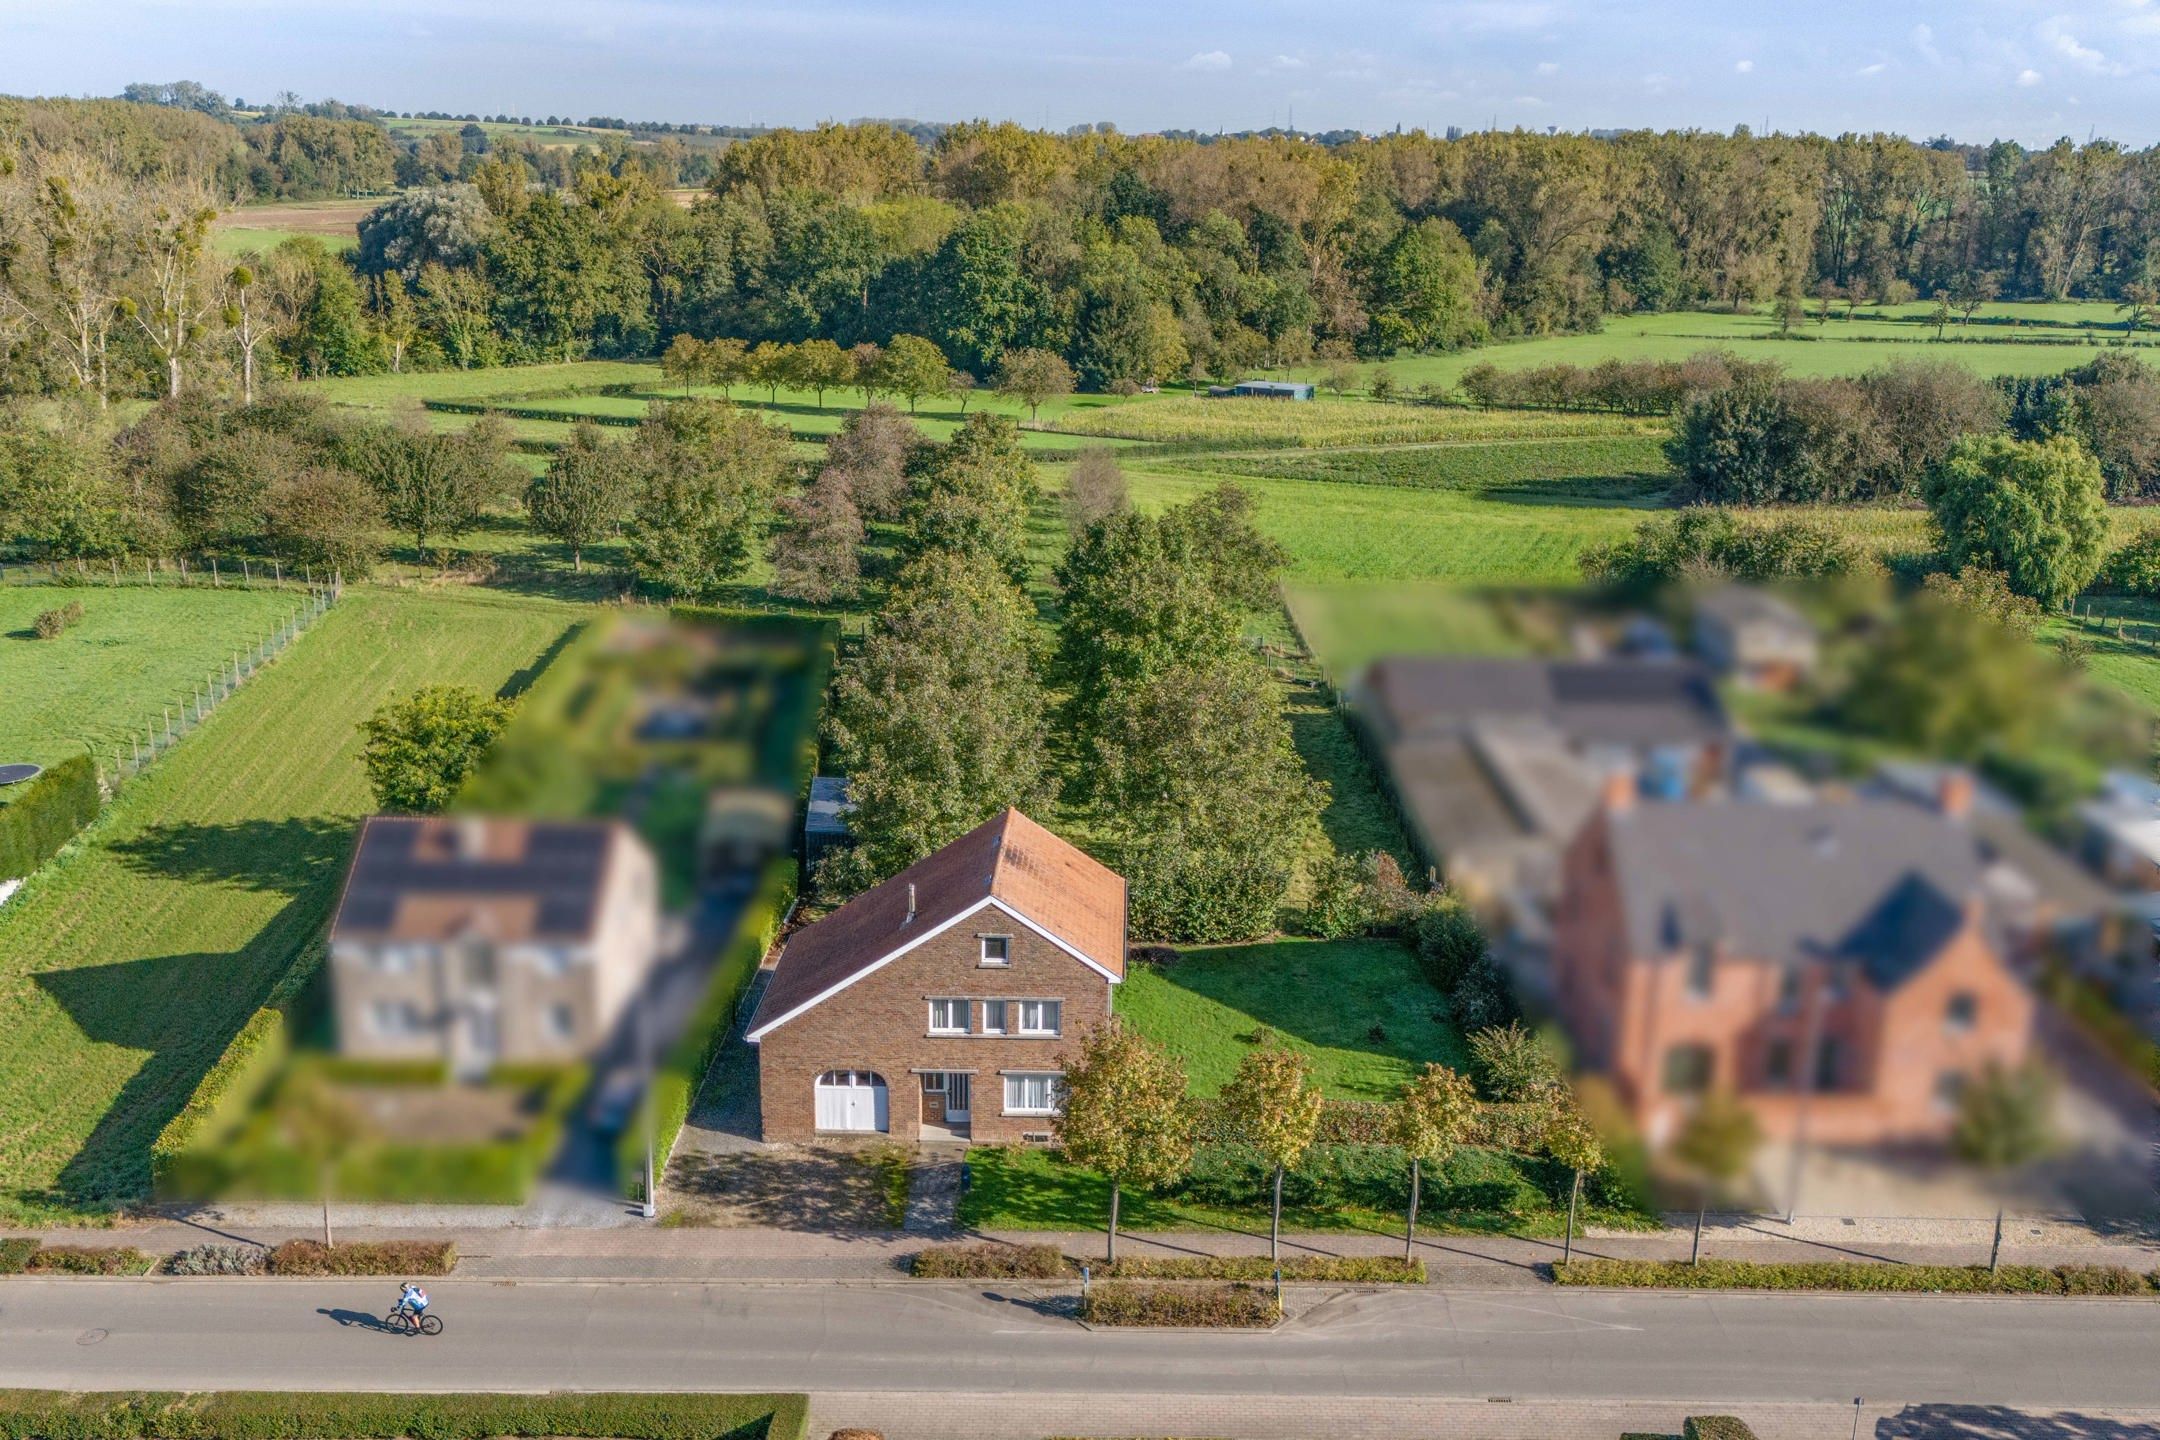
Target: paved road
505 1335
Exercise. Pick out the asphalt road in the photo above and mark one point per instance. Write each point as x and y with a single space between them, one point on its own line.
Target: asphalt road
96 1334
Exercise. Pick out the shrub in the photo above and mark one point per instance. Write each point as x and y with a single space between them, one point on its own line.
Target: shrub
1715 1427
274 1415
2133 568
88 1260
1513 1064
15 1254
51 624
1856 1275
988 1261
1121 1302
1337 1269
46 815
851 1433
220 1260
1450 944
370 1257
1340 906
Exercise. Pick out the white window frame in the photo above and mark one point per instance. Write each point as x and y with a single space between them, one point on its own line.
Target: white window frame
1054 1010
1002 1011
965 1027
394 1019
560 1021
394 959
1054 1082
1000 961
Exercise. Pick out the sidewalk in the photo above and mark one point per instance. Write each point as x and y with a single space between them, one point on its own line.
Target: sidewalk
644 1252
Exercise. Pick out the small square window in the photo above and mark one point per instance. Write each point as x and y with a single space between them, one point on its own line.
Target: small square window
394 1018
561 1022
1949 1090
1963 1010
997 950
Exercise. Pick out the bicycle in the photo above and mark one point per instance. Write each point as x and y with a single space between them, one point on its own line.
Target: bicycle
403 1320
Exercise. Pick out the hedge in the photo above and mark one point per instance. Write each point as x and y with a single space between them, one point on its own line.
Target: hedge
1121 1302
1858 1275
676 1079
306 1415
1321 1269
1715 1427
15 1254
989 1261
46 814
88 1260
364 1257
1517 1126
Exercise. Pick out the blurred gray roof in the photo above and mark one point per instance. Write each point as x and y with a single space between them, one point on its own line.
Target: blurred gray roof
1637 702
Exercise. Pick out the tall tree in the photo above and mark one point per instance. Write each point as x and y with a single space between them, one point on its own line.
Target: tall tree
580 499
1122 1113
172 300
912 367
706 476
1032 377
1570 1139
2034 510
420 748
817 552
973 494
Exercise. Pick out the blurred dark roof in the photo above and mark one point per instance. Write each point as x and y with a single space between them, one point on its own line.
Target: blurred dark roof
1631 701
439 878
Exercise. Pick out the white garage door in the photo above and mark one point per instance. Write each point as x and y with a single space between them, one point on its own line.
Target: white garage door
851 1100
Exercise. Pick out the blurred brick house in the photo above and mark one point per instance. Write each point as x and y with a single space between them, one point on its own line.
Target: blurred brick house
941 1004
1844 958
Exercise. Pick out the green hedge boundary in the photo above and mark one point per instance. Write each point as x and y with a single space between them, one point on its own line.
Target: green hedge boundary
675 1079
998 1260
304 1415
1858 1276
47 814
1229 1307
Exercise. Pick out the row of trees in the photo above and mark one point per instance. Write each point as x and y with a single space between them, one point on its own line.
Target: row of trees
907 366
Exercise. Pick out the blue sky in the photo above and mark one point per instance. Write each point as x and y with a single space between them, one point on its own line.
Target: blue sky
1978 70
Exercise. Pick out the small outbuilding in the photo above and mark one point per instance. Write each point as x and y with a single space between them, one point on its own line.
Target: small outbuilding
1755 637
1273 389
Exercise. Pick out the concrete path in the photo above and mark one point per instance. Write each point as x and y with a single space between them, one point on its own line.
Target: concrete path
933 1200
1013 1343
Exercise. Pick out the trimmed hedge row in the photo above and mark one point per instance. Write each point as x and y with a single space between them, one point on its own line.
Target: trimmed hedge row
1858 1275
368 1257
1716 1427
46 814
1517 1126
1335 1269
302 1415
1122 1302
88 1260
520 412
686 1061
989 1260
15 1254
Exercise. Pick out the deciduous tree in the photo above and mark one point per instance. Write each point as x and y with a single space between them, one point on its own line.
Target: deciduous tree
419 749
1122 1113
1275 1105
1433 1116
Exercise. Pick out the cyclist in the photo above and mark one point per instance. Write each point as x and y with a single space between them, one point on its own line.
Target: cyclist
411 1298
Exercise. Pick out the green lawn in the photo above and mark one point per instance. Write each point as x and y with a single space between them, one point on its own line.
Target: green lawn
1357 1009
137 650
1351 624
127 964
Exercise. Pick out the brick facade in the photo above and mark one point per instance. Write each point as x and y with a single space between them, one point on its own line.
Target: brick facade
1890 1054
881 1023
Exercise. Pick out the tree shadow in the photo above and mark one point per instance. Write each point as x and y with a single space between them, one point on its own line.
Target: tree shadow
1999 1422
280 856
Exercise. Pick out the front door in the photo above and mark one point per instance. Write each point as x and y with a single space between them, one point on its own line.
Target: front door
956 1098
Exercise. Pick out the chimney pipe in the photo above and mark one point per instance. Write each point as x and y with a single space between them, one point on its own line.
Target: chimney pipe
911 902
1619 791
1954 795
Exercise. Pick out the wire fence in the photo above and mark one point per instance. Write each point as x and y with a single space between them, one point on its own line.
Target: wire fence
175 722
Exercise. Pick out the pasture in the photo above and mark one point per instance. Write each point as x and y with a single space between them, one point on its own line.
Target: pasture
260 228
127 963
137 650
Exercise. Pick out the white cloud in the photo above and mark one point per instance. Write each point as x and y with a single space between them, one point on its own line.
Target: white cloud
1284 62
1548 67
1526 100
2057 33
1875 69
1923 39
1208 60
1743 67
2028 78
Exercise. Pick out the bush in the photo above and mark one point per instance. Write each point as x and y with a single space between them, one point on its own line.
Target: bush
2133 568
15 1254
220 1260
1337 1269
46 815
1340 906
274 1415
1511 1063
989 1261
51 624
1450 944
1715 1427
1249 1307
369 1257
88 1260
1856 1275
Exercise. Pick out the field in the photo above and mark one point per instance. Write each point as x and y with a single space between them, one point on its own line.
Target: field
265 227
1357 1009
136 651
127 963
1198 420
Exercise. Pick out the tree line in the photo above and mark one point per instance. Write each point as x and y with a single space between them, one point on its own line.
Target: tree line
1139 258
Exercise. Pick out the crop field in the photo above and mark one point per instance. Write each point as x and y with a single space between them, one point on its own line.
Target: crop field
1318 423
265 227
1627 465
2023 338
137 650
127 963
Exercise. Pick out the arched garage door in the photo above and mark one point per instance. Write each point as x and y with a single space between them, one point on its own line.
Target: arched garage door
851 1100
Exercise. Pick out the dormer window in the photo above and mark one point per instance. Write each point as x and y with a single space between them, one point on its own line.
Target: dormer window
996 949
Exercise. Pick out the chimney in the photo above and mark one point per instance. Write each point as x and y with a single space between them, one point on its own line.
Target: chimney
1954 795
471 837
1618 792
911 903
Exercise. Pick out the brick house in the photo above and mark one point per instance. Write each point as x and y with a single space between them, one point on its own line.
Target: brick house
480 941
1843 959
942 1003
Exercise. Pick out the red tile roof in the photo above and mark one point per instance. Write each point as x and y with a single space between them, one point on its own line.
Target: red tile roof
1076 899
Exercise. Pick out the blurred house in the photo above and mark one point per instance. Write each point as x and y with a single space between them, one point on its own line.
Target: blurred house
1754 637
2121 832
1848 959
481 941
825 822
1496 763
744 826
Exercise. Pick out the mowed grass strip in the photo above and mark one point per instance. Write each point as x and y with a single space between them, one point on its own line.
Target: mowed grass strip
127 964
137 650
1317 423
1358 1010
1620 467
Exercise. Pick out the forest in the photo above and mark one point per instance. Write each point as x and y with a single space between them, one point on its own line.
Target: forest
1136 258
